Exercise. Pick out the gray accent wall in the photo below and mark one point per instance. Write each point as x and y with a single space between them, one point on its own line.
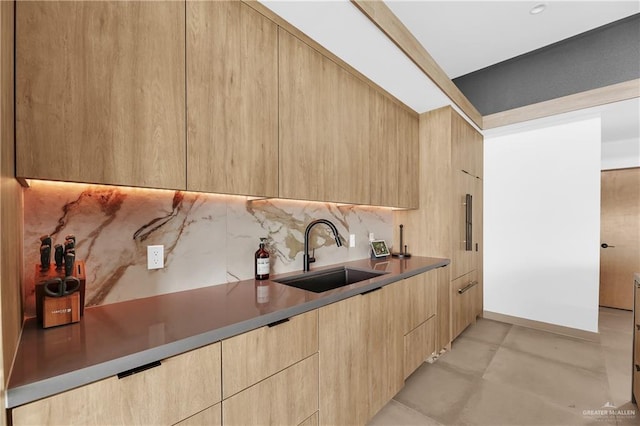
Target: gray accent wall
606 55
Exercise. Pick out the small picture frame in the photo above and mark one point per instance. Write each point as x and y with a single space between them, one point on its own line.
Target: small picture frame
379 249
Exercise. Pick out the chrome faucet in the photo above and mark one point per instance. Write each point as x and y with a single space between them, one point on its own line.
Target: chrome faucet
306 259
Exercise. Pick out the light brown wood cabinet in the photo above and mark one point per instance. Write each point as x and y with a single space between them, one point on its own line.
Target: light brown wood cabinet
393 157
360 356
450 167
100 92
324 127
418 309
232 102
179 388
289 397
253 356
464 302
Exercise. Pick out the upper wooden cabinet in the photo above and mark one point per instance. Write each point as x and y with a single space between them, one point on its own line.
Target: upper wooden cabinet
467 146
324 127
100 92
394 154
232 86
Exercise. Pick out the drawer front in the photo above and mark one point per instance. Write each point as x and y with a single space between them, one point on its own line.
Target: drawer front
212 416
286 398
462 292
418 345
179 388
258 354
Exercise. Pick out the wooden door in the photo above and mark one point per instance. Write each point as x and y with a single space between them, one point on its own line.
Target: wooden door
232 87
324 127
100 92
620 230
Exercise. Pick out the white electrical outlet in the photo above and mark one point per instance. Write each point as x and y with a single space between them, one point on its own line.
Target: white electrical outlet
155 257
352 240
371 238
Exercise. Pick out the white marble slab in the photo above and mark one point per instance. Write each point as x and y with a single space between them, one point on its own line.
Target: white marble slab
208 239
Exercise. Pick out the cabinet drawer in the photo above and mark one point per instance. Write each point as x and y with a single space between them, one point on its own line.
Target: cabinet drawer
258 354
178 388
418 345
212 416
463 290
286 398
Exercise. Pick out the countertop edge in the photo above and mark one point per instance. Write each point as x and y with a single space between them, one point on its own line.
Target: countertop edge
34 391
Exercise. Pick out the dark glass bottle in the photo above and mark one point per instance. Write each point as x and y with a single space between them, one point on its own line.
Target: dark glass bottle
262 262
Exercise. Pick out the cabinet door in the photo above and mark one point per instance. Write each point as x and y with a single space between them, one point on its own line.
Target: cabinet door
100 92
466 146
384 346
179 388
361 355
394 154
324 127
232 80
420 299
343 362
463 257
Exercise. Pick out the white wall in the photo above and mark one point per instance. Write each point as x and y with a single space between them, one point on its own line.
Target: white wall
542 223
620 154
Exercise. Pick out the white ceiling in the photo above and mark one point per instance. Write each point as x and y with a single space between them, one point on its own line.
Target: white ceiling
465 36
482 33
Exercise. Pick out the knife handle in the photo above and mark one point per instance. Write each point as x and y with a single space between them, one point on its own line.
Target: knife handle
69 260
45 257
58 255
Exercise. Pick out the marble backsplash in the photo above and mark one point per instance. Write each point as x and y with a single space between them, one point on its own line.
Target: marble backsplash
208 238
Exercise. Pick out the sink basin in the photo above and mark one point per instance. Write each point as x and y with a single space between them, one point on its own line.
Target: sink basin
328 279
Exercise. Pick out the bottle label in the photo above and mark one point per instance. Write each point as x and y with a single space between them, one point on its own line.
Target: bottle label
262 266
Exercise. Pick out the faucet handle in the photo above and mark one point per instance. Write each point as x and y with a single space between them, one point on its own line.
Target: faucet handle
312 258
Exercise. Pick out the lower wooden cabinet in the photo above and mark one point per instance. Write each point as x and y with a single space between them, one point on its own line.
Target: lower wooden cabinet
360 360
253 356
175 390
465 303
289 397
418 345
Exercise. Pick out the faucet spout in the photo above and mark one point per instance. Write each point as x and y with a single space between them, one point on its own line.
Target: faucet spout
306 259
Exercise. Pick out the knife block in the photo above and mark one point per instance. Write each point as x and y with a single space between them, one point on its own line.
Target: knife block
60 310
42 276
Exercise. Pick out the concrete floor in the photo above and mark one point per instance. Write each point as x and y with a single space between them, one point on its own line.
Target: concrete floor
502 374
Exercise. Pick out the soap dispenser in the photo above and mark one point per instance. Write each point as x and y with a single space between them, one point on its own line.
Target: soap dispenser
262 261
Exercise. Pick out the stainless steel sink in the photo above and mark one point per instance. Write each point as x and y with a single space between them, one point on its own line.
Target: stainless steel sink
328 279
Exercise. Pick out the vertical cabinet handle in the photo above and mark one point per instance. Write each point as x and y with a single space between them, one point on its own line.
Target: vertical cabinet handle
468 223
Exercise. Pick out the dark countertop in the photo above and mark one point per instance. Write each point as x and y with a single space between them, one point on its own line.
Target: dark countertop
113 338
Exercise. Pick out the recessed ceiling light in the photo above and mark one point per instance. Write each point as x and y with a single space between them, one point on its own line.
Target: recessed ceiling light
538 8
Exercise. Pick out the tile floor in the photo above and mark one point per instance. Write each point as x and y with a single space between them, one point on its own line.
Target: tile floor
501 374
